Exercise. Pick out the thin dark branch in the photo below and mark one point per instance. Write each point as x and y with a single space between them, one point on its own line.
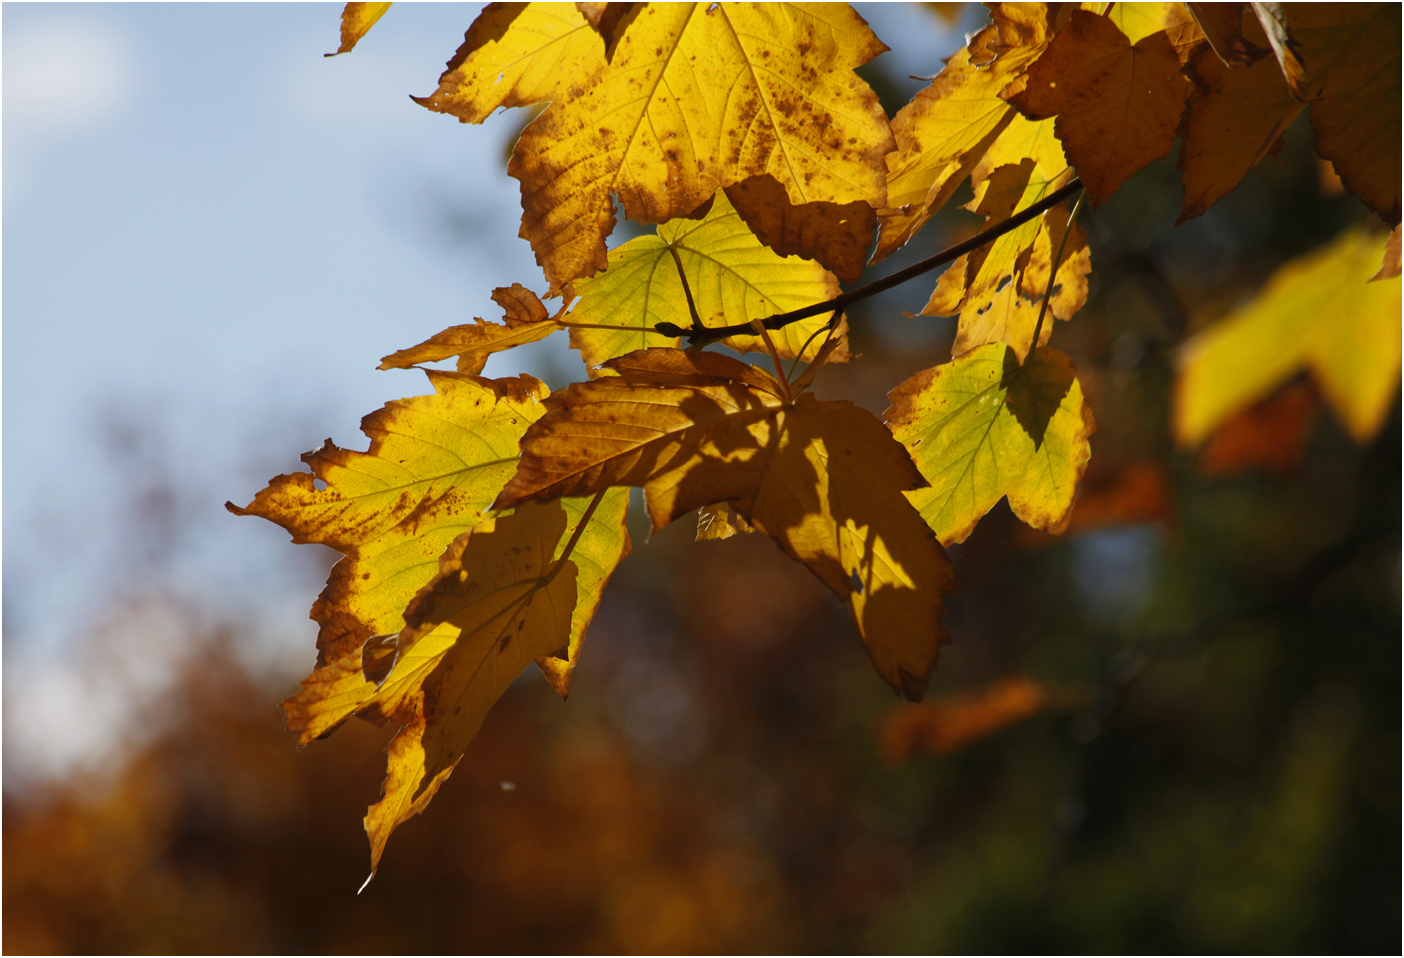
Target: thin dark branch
697 336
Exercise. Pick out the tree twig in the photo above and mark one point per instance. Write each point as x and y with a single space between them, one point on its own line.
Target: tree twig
699 335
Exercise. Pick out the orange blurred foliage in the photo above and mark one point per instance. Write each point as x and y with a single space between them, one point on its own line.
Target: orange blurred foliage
951 722
1139 492
1270 436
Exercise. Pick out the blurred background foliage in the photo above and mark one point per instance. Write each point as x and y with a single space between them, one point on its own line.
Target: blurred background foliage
1175 728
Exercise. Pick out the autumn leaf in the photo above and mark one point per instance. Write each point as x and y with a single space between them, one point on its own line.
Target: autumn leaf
1139 492
823 479
1319 313
698 97
837 237
983 427
952 722
1117 104
1223 26
526 322
720 521
1233 119
1140 20
998 289
1390 265
1270 435
356 21
732 278
434 465
506 594
948 127
1343 59
517 54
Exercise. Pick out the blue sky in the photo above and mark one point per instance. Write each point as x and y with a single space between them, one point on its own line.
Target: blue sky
212 233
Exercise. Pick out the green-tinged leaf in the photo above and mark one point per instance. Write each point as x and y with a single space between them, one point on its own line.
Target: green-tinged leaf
983 427
733 278
1318 312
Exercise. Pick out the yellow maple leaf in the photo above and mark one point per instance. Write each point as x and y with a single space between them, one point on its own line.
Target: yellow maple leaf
434 465
506 594
356 21
731 277
998 289
1117 103
1318 312
982 427
947 128
823 479
517 54
698 97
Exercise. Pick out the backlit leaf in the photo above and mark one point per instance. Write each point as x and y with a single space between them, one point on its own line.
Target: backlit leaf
838 237
434 465
1117 104
1318 313
823 479
698 97
983 427
946 129
732 276
720 521
517 54
1222 25
998 289
1343 59
1140 20
504 596
1233 119
356 21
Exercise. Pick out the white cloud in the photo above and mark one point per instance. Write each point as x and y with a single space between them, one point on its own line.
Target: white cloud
65 75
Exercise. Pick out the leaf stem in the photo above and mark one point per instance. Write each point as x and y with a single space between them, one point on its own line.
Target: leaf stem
699 335
687 290
574 537
1053 271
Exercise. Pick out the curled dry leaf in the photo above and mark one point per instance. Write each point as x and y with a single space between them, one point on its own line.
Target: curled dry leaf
823 479
526 321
